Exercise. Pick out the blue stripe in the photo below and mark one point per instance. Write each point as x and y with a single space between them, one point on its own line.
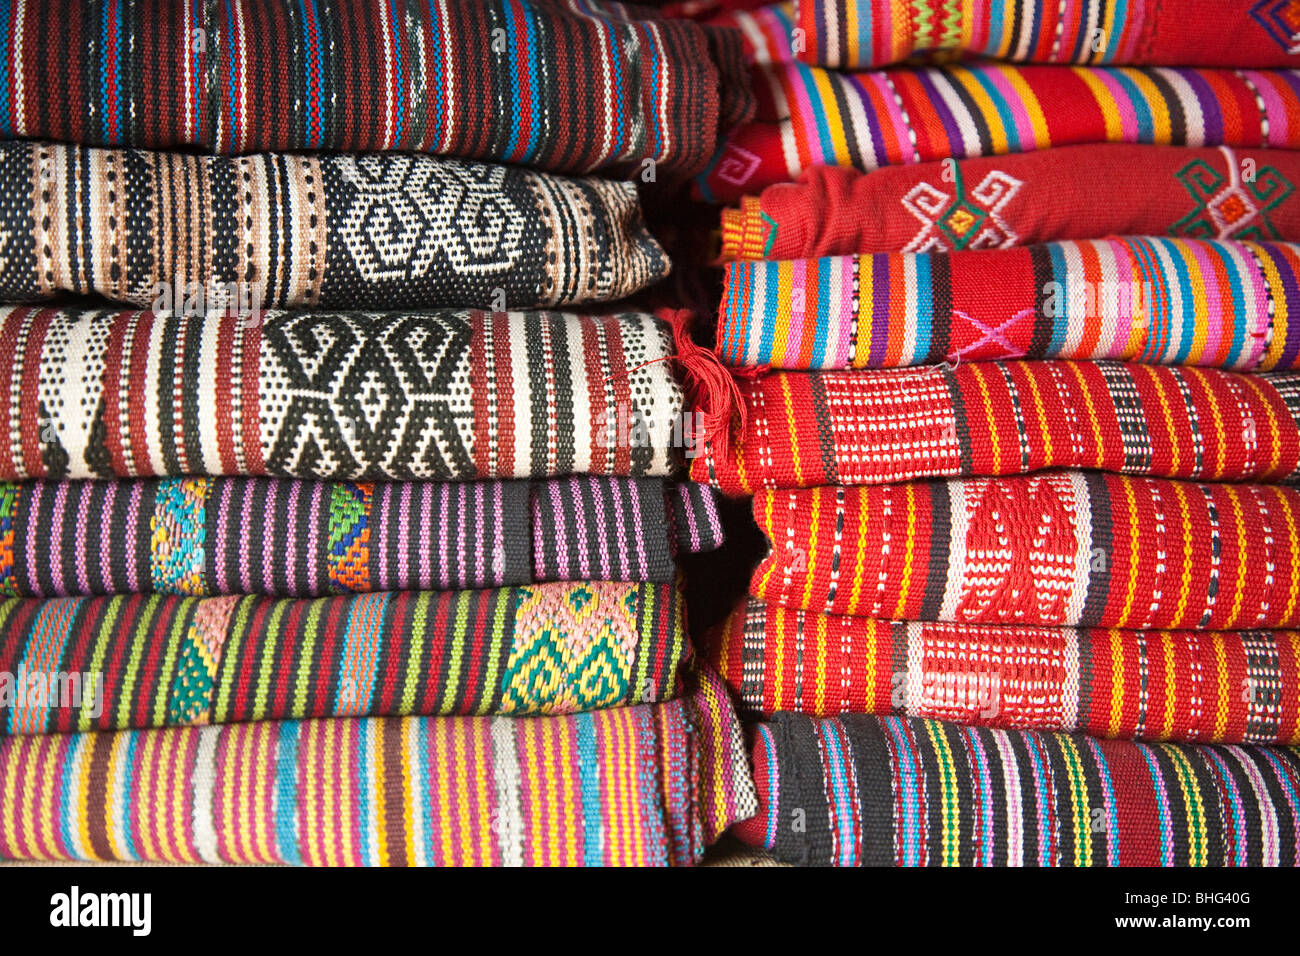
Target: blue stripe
1060 324
7 40
593 832
925 302
286 791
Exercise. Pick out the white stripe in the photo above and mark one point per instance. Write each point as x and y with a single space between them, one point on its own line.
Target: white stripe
205 771
507 821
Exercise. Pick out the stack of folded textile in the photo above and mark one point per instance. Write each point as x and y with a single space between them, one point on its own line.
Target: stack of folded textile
1019 423
324 538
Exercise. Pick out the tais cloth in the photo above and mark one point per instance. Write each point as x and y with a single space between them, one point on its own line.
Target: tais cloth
296 538
381 230
985 419
913 792
766 31
1196 686
1215 303
168 661
1053 548
97 393
997 202
855 34
543 83
646 785
809 116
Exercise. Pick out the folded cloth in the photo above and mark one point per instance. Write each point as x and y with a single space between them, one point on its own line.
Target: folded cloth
1197 686
803 429
997 202
280 536
390 230
358 395
813 117
1054 548
766 31
867 33
1216 303
166 661
540 83
913 792
653 784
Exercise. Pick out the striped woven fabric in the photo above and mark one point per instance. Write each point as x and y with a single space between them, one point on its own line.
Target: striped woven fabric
808 116
167 661
1055 548
279 536
440 395
647 785
985 419
767 31
542 83
867 33
337 231
1214 303
913 792
1196 686
997 202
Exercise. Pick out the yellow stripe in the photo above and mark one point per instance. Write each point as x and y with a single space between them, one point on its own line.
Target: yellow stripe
978 371
1105 102
1037 120
834 125
794 429
1234 495
909 550
820 673
1185 586
1117 691
984 103
1293 538
1161 129
860 558
1133 558
810 559
781 344
1223 690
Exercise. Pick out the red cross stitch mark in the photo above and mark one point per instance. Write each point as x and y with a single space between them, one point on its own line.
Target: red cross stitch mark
992 336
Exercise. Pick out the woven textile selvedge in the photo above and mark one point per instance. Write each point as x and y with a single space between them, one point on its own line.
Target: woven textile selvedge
1189 685
1055 548
383 230
94 393
813 117
166 661
868 33
652 784
1161 301
909 791
540 83
997 202
279 536
859 427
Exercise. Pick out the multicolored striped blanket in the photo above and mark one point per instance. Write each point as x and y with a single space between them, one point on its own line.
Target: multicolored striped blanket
855 34
97 393
998 202
278 536
809 116
906 791
646 785
1188 685
1053 548
273 230
542 83
1213 303
804 429
157 661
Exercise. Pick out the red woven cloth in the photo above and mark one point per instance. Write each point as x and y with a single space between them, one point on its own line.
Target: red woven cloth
1208 686
808 116
803 429
995 202
1053 548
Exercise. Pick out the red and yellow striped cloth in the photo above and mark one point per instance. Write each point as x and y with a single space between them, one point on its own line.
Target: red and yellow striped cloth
1197 686
1053 548
803 429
